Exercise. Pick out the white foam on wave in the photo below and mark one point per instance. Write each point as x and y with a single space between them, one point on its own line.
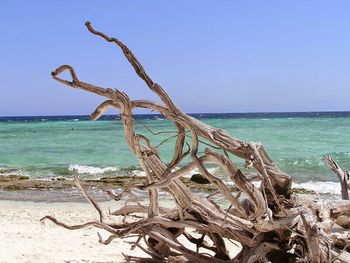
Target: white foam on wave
332 188
138 173
85 169
13 172
320 187
306 162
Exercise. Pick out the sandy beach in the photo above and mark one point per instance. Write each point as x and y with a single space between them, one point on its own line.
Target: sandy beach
24 239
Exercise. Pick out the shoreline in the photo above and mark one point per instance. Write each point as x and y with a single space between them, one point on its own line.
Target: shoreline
61 189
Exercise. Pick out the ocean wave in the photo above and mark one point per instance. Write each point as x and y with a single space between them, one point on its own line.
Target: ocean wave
307 162
330 188
320 187
138 173
85 169
301 162
10 171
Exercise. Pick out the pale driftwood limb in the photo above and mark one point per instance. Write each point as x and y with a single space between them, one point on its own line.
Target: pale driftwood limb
129 209
259 254
108 240
343 176
271 224
80 226
88 197
313 242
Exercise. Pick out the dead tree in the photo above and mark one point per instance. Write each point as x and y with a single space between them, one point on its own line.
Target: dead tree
270 222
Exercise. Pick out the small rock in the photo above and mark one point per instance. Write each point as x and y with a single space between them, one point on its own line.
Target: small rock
199 179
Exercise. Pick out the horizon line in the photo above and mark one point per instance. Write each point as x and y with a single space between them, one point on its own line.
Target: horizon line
192 113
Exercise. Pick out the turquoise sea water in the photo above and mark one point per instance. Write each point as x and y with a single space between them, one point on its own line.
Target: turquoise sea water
45 147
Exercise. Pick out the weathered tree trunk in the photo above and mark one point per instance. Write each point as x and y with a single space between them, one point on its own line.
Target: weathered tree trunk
269 221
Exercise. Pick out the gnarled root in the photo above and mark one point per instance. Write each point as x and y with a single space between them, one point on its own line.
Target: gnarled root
271 224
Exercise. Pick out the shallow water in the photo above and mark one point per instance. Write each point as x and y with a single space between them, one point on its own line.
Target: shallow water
46 147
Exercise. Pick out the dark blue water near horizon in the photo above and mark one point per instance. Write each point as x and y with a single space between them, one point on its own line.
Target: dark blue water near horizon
243 115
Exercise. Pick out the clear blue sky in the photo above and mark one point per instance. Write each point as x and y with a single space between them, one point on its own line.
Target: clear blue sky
211 56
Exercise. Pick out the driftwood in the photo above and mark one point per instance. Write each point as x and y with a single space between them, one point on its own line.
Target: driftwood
343 177
271 223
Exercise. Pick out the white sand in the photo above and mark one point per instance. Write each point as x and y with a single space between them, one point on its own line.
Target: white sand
24 239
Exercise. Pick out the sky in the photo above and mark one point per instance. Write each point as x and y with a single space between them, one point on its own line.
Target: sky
210 56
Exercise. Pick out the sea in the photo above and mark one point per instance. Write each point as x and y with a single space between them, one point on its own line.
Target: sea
46 147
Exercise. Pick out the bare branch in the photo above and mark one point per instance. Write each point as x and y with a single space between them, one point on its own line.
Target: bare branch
88 197
343 176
